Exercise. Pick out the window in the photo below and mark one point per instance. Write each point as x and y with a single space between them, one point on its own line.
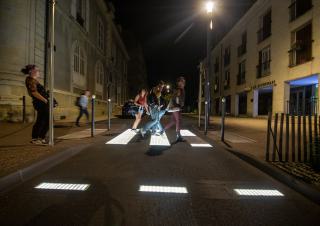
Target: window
80 11
227 79
101 34
301 47
263 68
242 49
227 56
79 65
99 73
265 26
298 8
241 78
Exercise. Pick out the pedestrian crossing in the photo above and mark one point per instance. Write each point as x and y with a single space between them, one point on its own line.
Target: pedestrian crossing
192 139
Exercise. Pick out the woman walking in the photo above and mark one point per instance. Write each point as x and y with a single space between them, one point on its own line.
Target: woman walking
175 106
40 103
141 103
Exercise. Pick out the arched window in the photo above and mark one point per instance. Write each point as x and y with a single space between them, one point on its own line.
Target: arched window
99 77
79 67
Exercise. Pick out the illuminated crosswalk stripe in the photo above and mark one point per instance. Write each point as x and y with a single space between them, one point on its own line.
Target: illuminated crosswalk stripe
161 140
163 189
258 192
123 138
63 186
194 140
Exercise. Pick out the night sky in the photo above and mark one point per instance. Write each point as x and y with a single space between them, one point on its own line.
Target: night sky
157 24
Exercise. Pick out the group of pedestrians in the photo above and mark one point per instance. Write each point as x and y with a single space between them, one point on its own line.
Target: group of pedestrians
155 106
40 102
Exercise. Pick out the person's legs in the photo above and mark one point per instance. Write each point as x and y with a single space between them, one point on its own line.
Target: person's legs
137 121
171 123
85 111
44 122
80 115
177 116
36 127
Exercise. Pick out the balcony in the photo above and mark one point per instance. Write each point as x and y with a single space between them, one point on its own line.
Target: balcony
242 49
264 33
241 78
298 8
263 69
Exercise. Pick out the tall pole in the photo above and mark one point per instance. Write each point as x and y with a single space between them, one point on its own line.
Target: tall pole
207 76
51 69
200 94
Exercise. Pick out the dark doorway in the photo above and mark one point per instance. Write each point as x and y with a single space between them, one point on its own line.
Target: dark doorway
242 103
265 101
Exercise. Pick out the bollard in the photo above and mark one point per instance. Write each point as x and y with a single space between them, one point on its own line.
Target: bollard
109 114
24 109
223 105
92 115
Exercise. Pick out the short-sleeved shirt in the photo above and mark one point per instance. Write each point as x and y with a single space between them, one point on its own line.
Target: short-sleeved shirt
33 85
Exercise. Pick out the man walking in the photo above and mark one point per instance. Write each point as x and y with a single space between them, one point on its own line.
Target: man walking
83 106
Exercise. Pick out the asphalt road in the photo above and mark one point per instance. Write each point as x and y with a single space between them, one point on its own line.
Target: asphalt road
115 173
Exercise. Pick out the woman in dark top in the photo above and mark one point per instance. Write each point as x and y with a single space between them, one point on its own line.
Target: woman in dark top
40 103
175 106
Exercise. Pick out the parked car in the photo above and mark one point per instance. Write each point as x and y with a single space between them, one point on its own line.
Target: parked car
126 109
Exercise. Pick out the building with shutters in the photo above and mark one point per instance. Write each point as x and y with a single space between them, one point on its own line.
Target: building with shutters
269 61
89 54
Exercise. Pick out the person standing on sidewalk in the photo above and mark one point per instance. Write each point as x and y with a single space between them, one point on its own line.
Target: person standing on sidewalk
175 106
40 103
83 106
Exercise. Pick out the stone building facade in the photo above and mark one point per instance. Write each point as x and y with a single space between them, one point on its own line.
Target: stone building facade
89 54
269 61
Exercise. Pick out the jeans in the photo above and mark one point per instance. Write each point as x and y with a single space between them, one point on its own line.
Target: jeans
40 128
81 112
156 116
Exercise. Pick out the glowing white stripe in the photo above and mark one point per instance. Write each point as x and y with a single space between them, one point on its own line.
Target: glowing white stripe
163 189
123 138
62 186
258 192
186 133
161 140
201 145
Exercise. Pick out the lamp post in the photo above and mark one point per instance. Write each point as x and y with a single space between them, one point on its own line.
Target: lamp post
92 115
51 69
209 8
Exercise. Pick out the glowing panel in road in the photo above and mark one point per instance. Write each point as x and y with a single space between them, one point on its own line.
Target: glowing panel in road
258 192
123 138
201 145
161 140
186 133
163 189
63 186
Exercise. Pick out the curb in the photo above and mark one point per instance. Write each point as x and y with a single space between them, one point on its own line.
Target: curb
10 181
303 188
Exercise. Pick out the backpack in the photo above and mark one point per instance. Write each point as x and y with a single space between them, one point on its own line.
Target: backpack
77 102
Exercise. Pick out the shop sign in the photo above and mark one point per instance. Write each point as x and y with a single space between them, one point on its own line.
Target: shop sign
265 84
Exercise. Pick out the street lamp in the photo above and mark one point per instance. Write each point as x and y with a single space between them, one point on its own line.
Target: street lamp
209 6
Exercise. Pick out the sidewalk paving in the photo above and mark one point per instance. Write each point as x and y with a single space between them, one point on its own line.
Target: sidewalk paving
16 151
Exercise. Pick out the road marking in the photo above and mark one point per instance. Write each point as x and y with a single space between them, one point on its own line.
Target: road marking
63 186
163 189
161 140
194 140
123 138
258 192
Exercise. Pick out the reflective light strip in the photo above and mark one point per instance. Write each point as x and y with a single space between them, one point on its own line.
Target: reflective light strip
63 186
201 145
161 140
258 192
186 133
163 189
123 138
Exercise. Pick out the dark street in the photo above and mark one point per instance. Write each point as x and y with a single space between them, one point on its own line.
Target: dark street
115 173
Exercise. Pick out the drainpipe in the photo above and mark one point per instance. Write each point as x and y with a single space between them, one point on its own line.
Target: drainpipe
46 45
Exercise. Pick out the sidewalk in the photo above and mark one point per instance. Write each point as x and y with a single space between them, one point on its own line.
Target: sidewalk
16 151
